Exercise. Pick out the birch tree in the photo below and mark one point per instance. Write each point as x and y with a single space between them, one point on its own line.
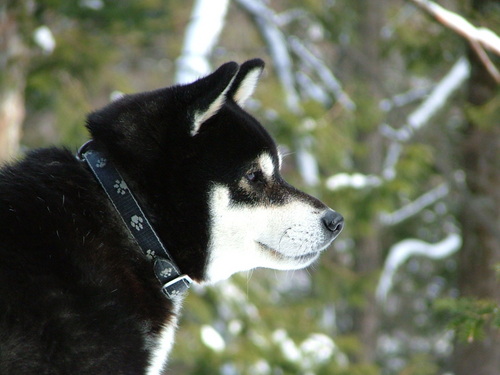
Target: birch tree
202 35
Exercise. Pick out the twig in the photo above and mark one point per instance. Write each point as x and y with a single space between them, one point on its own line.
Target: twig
478 37
483 56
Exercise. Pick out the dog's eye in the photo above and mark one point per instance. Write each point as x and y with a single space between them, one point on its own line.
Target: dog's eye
254 176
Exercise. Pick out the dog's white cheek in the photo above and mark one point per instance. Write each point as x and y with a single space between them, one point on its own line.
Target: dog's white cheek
232 247
237 232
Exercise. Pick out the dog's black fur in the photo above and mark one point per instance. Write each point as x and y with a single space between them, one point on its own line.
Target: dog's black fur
77 295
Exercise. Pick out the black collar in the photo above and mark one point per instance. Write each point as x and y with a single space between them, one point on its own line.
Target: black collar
173 282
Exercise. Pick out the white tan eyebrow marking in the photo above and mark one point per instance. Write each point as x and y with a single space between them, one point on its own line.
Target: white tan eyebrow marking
266 165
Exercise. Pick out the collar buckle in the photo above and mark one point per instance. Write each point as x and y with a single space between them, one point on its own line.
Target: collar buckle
177 287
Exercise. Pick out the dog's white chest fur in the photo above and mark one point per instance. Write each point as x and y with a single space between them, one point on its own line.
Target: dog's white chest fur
164 343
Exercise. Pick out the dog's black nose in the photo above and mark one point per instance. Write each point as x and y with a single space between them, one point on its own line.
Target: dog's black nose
333 221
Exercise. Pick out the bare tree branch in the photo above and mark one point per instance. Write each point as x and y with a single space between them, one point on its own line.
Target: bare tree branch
488 64
478 37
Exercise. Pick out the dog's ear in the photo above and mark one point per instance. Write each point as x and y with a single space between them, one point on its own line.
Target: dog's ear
245 81
208 94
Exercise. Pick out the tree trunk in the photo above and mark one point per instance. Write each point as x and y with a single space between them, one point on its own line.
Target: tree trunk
480 221
206 23
370 255
12 85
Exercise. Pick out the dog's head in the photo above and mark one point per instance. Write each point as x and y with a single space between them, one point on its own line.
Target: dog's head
208 175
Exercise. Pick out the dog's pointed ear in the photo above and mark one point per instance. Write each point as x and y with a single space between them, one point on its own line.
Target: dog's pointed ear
210 94
245 81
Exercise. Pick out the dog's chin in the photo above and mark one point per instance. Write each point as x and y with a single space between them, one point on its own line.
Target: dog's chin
283 261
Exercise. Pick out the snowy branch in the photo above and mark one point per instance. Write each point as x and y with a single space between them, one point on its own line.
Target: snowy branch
202 34
265 19
402 251
438 97
485 37
479 37
434 102
403 99
393 153
353 181
325 74
306 162
416 206
311 89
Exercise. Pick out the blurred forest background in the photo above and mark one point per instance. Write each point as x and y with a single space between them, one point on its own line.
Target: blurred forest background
388 113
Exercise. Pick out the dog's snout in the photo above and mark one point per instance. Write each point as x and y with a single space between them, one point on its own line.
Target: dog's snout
333 221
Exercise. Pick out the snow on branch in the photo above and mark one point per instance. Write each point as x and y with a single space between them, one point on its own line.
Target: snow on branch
265 19
207 21
323 72
306 162
403 99
404 250
267 22
416 206
391 159
485 37
479 37
419 118
354 181
311 89
434 102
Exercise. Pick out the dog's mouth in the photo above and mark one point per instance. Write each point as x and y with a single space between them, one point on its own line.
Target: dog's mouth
303 258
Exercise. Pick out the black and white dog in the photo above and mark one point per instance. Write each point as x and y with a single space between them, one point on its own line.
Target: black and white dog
178 184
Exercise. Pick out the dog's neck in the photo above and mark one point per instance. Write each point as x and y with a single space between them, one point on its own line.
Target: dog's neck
174 282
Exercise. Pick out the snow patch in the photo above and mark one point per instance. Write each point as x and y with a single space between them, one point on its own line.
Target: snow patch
314 351
212 339
45 39
288 348
116 95
261 367
92 4
354 181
